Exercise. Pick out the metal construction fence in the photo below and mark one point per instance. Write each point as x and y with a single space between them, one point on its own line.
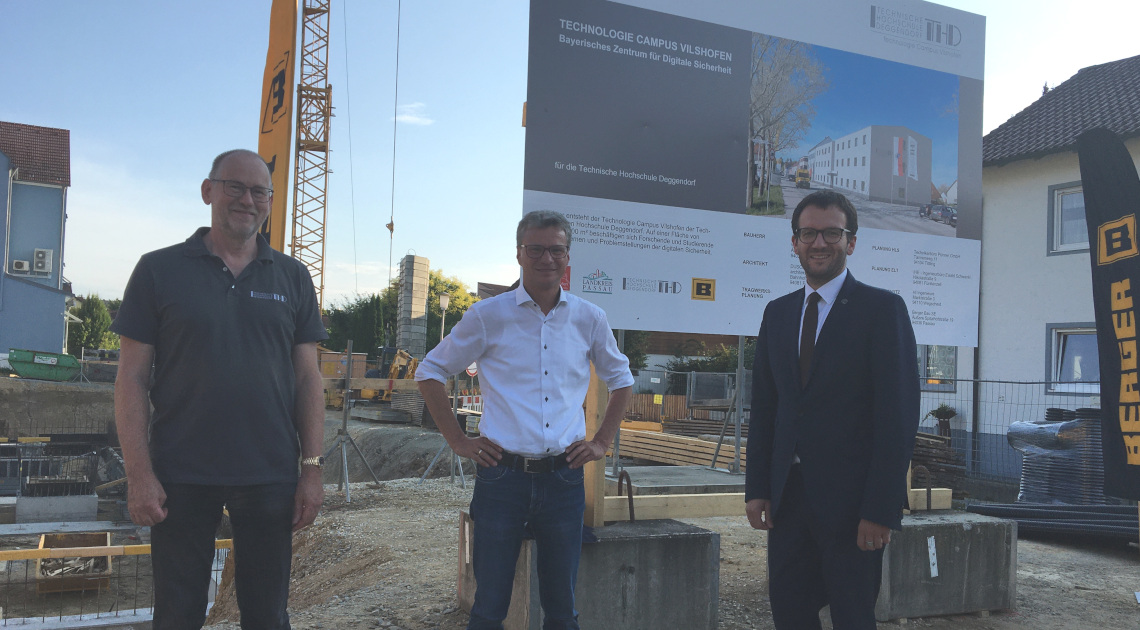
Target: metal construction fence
83 586
982 412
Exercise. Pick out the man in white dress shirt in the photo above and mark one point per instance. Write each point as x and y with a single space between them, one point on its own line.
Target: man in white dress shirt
534 346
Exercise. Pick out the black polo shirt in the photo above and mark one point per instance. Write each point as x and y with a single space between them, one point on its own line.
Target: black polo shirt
223 389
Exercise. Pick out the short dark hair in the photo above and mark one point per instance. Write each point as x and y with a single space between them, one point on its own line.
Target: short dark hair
826 199
217 164
540 219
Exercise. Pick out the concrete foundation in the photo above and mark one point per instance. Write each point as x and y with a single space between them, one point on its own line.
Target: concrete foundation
30 408
645 574
676 480
48 509
947 563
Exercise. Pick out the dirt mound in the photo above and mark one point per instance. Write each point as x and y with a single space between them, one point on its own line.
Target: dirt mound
393 451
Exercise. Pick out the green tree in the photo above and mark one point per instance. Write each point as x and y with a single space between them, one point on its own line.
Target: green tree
461 300
370 319
636 343
718 359
364 319
94 330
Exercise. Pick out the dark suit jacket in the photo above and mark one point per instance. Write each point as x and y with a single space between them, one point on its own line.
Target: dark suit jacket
853 425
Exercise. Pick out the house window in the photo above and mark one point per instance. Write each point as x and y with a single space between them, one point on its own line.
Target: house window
863 185
937 368
1067 229
1074 365
864 160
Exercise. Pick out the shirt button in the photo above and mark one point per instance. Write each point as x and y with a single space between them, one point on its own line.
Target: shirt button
545 372
225 268
547 399
544 346
547 425
233 286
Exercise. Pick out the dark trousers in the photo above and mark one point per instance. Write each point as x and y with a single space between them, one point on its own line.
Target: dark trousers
509 505
811 565
182 553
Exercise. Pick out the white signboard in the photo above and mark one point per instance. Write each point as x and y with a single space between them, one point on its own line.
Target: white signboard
671 134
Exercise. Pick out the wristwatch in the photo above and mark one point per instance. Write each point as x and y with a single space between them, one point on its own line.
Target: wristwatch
318 461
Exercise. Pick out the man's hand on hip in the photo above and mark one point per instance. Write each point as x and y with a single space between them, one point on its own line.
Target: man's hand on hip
482 451
308 499
146 500
583 452
872 536
759 513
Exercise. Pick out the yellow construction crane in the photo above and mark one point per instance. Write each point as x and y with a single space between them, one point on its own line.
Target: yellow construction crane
313 122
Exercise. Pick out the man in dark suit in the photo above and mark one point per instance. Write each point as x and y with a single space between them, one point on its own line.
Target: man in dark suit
835 408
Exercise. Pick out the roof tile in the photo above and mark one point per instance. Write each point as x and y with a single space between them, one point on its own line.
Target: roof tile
1106 95
43 154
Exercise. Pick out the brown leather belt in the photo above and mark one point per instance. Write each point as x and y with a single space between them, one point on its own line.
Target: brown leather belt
534 465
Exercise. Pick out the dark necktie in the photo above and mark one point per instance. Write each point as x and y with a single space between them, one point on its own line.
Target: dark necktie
807 336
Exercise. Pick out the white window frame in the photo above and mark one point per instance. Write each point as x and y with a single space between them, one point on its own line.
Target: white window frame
1057 339
1056 193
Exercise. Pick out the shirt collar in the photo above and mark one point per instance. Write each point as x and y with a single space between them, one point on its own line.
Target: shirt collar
195 246
522 297
828 292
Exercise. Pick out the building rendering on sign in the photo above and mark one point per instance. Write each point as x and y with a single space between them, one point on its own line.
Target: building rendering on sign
880 163
36 165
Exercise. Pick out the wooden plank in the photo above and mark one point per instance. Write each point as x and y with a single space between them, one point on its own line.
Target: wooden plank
674 449
657 506
394 384
597 397
940 499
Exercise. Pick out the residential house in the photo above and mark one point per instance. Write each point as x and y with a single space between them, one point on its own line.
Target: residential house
36 165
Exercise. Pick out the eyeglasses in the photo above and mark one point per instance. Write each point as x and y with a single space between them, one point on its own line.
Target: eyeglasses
557 252
236 189
831 236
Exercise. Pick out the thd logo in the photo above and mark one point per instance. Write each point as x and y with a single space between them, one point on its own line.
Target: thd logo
940 33
704 289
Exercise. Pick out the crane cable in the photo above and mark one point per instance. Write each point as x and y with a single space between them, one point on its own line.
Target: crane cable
395 101
348 115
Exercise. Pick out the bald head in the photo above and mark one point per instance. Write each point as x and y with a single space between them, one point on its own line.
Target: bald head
216 167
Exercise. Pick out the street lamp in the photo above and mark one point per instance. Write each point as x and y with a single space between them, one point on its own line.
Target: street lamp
444 300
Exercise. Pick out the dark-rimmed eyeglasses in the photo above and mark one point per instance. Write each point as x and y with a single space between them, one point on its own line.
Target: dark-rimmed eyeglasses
236 189
831 236
557 252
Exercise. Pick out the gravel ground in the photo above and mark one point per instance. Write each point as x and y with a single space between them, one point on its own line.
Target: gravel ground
389 559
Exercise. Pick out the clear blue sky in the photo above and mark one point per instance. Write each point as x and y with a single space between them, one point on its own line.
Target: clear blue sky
151 91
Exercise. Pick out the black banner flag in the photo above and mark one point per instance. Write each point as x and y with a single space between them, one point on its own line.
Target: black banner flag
1112 201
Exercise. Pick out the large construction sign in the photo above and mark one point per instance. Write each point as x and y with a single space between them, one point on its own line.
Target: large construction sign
274 142
678 137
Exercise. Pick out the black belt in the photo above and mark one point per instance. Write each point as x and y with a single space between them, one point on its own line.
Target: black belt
534 465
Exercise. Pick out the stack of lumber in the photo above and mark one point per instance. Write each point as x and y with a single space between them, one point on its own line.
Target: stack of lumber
693 427
664 448
939 457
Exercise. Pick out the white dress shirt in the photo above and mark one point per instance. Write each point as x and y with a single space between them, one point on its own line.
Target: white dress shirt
827 295
534 368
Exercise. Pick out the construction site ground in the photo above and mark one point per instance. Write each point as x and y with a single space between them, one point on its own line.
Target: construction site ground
389 559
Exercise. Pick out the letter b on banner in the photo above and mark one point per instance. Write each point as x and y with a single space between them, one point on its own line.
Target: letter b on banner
1116 240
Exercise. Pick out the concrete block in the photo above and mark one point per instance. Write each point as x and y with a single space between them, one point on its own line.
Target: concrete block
948 563
640 575
48 509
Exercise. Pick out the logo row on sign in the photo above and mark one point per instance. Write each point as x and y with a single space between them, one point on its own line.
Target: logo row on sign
599 281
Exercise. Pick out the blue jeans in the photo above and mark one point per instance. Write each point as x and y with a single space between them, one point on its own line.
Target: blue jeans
182 553
508 505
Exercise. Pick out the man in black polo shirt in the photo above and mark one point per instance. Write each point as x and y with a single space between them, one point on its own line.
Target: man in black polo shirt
230 327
